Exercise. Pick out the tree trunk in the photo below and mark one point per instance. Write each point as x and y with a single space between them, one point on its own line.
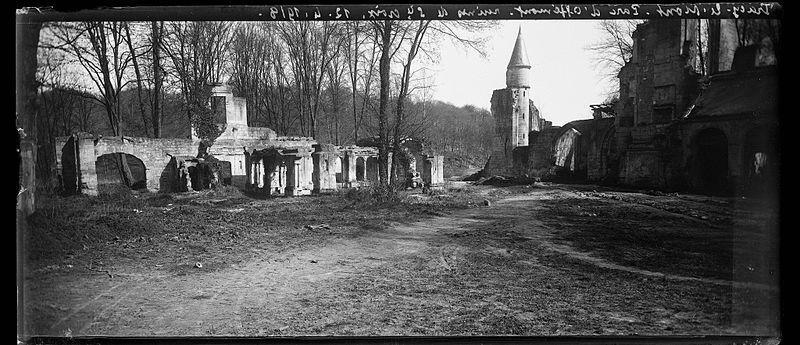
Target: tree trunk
138 77
353 69
383 105
27 41
156 112
124 169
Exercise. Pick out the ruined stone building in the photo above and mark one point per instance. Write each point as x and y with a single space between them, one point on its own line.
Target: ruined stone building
673 127
527 144
250 158
516 116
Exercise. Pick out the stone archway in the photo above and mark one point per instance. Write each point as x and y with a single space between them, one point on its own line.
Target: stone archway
709 166
120 170
70 169
338 170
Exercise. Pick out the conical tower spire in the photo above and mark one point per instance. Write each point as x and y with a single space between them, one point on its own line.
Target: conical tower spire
519 57
518 70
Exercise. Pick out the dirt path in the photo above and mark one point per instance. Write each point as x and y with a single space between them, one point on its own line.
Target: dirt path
272 294
218 303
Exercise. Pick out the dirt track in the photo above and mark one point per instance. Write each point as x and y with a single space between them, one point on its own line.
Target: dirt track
502 269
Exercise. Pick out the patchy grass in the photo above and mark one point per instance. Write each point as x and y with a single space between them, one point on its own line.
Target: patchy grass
498 283
495 275
216 219
697 239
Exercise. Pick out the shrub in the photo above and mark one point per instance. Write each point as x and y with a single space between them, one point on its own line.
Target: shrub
226 191
378 194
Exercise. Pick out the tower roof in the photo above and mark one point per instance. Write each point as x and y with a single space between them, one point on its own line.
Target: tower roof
519 57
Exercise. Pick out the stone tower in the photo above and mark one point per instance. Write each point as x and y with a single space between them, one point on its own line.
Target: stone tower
514 115
519 87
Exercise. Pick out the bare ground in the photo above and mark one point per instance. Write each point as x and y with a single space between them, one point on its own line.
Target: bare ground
543 260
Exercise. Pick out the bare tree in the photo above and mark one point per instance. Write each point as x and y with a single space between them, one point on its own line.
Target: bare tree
97 46
424 37
356 51
27 41
386 41
312 46
418 34
156 39
390 36
139 80
614 48
281 101
249 64
335 74
55 107
198 52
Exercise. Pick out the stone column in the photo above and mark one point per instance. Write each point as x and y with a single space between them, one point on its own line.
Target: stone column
432 170
349 169
87 164
251 171
437 172
292 172
261 172
323 165
305 184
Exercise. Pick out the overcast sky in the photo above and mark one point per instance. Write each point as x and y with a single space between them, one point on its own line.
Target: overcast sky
564 79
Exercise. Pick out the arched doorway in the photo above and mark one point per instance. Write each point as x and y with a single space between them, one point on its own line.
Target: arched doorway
338 170
117 171
710 161
69 167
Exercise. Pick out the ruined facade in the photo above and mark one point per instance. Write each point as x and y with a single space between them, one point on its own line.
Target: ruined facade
678 129
673 127
250 158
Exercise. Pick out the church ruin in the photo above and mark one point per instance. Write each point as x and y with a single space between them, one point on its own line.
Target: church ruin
672 128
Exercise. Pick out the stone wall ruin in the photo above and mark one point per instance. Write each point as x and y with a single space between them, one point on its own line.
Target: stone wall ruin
249 158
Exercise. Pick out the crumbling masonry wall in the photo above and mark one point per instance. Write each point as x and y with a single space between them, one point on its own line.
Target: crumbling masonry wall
656 87
514 115
541 161
431 168
664 105
80 169
252 158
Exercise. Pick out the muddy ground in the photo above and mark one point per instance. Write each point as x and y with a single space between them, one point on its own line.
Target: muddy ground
545 259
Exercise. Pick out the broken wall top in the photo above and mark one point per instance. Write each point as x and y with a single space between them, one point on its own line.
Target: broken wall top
739 93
